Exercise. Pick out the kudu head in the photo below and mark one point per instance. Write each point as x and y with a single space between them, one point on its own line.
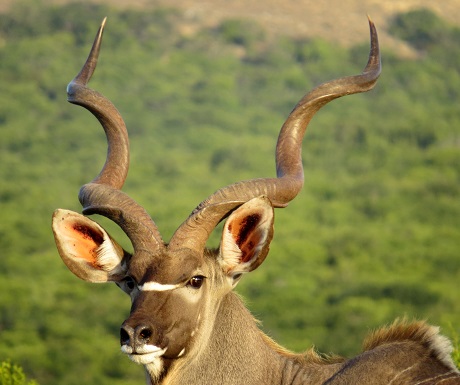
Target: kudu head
176 288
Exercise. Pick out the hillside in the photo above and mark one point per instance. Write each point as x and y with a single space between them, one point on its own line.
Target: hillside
342 21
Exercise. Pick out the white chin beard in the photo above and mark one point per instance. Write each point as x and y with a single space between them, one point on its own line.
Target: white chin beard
154 369
152 362
149 356
146 358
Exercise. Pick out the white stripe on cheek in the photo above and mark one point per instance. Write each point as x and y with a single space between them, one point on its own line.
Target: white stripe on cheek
155 286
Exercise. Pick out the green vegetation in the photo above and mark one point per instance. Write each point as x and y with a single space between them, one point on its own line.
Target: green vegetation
456 352
11 374
373 236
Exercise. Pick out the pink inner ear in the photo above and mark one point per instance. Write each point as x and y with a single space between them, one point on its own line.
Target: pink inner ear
84 241
247 236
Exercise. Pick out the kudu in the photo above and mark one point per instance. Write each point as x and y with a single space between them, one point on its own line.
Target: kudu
186 326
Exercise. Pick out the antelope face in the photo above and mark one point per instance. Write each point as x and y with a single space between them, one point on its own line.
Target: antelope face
167 303
174 293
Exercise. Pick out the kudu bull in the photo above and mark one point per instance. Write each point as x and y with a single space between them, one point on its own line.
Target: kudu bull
186 326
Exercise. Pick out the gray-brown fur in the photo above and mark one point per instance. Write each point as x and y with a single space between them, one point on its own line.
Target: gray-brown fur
239 353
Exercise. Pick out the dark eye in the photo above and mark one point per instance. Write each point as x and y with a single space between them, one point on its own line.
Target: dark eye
130 283
196 282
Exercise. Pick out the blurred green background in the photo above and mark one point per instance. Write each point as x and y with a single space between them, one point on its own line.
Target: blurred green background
374 235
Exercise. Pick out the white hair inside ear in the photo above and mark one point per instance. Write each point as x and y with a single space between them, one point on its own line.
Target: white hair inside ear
246 237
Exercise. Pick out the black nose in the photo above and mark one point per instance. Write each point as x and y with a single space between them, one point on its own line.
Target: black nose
138 336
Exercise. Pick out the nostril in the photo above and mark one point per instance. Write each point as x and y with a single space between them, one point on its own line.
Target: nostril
144 333
138 336
125 336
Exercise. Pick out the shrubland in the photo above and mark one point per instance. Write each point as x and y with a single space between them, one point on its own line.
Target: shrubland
374 235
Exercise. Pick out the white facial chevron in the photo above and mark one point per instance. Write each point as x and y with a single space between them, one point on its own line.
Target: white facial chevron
155 286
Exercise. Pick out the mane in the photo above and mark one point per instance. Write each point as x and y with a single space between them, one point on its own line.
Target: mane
311 356
417 331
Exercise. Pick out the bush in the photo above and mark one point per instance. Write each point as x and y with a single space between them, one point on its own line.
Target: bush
421 28
11 374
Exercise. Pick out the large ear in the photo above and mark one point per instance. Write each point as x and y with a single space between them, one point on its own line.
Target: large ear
86 248
246 237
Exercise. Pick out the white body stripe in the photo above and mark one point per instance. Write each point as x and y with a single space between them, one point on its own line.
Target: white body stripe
155 286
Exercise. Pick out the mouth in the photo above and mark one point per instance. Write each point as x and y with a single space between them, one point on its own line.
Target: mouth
144 355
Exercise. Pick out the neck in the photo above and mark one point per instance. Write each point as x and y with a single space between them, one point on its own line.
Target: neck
237 352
